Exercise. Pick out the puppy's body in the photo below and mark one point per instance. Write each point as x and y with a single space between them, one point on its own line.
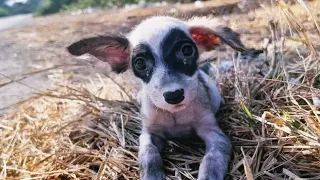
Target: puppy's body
177 99
181 124
196 118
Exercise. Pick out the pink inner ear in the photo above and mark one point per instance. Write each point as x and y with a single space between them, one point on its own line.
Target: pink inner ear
115 56
204 37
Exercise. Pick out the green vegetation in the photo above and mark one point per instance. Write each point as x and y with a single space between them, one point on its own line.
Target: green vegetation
3 12
54 6
18 8
81 4
29 7
45 7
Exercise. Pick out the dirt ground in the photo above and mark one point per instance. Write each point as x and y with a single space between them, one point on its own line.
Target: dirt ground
14 21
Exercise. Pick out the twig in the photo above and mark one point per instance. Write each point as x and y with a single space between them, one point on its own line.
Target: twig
247 168
290 174
27 75
303 4
273 64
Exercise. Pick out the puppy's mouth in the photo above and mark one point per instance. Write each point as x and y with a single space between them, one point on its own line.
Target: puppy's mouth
179 105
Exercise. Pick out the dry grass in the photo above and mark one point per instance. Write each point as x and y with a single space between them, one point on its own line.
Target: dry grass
89 132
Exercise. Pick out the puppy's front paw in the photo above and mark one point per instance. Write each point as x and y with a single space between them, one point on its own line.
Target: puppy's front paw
210 176
212 169
150 165
152 173
153 176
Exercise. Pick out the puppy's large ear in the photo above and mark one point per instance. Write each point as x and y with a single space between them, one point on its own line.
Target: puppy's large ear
111 49
208 39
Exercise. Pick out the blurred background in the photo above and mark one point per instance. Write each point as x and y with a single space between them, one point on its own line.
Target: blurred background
45 7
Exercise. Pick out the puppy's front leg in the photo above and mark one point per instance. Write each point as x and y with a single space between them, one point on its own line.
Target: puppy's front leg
150 161
215 162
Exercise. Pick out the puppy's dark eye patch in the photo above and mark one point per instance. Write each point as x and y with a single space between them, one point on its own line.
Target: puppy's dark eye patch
143 62
180 53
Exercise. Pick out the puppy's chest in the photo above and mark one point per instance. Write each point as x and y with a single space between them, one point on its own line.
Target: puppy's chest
175 125
182 118
172 127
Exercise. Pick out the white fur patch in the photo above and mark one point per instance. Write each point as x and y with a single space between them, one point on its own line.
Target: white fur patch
144 141
154 30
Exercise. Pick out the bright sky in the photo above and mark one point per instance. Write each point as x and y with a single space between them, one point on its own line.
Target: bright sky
11 2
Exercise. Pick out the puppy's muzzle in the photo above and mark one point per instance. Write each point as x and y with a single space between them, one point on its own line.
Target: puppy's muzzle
174 97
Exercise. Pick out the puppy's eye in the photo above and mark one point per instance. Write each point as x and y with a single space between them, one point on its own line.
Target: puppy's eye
187 50
140 63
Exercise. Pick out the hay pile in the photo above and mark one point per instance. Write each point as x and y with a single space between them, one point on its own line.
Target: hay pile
272 118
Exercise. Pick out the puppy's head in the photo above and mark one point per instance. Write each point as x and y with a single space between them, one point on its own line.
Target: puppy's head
163 53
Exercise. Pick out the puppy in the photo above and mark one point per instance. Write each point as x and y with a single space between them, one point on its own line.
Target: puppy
178 100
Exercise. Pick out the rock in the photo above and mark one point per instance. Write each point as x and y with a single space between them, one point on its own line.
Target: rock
198 4
316 99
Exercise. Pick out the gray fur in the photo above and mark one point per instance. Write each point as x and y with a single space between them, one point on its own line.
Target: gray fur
197 116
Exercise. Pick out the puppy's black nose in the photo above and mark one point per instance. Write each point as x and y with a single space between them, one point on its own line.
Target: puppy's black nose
174 97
